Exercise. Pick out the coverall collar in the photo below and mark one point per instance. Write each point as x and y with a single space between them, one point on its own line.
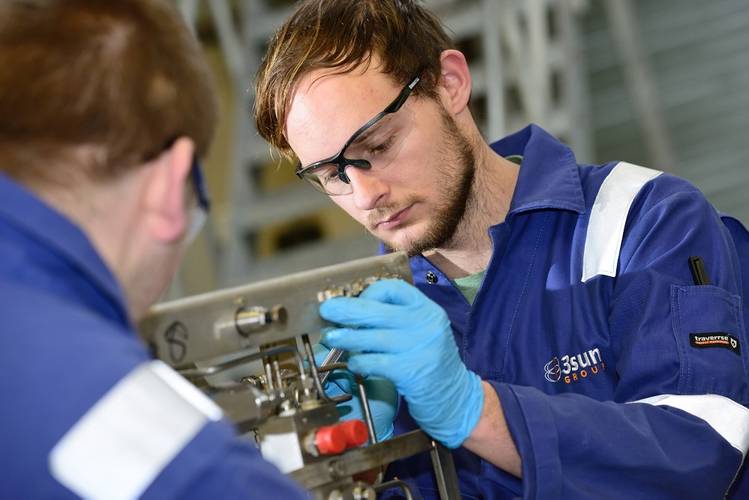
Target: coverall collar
549 176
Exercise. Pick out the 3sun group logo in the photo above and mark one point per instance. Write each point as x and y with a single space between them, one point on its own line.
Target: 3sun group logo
575 367
553 370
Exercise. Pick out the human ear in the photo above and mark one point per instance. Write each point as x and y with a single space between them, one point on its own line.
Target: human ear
166 216
455 81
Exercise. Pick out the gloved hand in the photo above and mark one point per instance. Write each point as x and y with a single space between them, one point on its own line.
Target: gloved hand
381 394
393 330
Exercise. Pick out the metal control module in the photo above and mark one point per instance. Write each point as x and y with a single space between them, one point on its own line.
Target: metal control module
250 349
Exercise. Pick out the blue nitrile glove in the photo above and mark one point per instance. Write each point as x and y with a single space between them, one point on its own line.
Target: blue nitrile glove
381 394
393 330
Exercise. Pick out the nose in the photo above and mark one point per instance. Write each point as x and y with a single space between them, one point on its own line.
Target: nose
369 191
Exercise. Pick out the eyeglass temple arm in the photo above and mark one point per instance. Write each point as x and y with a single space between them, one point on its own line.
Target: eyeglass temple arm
398 102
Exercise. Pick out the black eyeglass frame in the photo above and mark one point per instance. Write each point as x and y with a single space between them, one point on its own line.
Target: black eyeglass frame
339 159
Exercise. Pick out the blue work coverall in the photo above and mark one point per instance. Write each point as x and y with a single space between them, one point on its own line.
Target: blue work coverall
619 376
85 411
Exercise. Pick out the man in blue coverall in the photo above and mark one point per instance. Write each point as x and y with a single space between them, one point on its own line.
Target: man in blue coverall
104 106
575 331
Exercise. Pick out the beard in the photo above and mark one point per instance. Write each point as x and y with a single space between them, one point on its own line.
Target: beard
455 175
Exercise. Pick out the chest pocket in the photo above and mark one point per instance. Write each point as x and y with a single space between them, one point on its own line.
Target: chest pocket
709 330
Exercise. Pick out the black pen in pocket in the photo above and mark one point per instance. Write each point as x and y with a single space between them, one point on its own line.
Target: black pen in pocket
699 274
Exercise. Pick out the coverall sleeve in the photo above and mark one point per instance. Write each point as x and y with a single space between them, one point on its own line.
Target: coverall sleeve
94 417
155 440
678 426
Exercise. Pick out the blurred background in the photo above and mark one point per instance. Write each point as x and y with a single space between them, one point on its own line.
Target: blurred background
660 83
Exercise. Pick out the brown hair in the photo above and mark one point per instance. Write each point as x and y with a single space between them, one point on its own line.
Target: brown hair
97 86
343 35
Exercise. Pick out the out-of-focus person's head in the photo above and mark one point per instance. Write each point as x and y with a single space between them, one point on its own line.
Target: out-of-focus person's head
95 87
106 104
372 100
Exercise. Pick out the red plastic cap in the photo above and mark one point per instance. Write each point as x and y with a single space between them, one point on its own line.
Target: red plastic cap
356 432
334 439
330 440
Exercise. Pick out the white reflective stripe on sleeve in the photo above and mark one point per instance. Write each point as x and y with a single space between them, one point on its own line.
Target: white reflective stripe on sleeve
608 217
125 440
727 417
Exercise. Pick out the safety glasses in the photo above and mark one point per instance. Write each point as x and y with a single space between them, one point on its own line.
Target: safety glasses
374 144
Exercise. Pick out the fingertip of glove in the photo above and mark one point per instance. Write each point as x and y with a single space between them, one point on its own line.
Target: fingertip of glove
328 338
333 338
330 309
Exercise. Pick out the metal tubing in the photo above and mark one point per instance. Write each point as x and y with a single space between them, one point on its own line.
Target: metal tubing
364 401
444 472
277 375
332 357
268 375
315 372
